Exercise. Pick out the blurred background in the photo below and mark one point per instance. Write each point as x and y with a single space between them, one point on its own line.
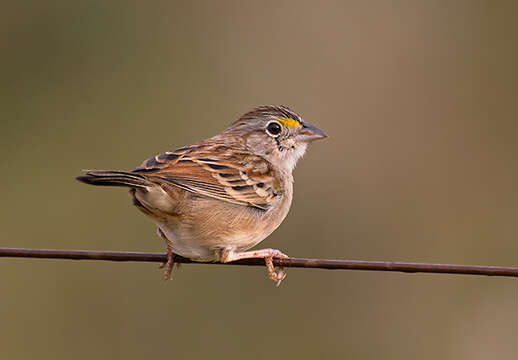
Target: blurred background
419 99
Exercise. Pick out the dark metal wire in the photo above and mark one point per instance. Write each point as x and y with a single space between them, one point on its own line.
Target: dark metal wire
291 262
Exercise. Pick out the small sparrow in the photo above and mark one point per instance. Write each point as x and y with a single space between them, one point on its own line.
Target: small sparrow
214 200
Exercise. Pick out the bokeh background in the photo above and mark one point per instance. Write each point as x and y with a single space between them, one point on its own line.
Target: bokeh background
420 101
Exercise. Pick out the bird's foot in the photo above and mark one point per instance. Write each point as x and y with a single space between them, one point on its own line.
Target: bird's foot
278 276
169 265
267 254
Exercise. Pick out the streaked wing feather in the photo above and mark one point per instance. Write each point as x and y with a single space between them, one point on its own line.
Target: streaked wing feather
236 177
164 160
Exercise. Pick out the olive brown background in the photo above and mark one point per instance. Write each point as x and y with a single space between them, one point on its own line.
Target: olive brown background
419 99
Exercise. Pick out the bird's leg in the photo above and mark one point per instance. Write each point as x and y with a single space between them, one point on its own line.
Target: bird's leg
167 266
266 254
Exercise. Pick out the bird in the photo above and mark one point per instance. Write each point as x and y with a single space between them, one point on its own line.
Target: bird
216 199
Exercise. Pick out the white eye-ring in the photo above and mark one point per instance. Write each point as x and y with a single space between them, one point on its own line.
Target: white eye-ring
273 128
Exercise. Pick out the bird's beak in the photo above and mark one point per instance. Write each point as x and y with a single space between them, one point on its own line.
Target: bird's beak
310 133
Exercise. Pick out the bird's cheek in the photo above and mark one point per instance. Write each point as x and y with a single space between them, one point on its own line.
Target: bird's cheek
256 143
289 143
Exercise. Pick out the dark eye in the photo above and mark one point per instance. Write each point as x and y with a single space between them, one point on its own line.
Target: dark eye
274 128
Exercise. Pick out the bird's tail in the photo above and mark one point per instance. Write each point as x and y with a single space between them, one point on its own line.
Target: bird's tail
114 178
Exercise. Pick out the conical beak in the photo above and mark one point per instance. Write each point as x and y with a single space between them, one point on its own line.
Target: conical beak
310 133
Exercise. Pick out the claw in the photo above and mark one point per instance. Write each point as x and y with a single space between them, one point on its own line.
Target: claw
281 274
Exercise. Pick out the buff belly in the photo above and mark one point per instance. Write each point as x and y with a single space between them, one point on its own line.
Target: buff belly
207 249
205 226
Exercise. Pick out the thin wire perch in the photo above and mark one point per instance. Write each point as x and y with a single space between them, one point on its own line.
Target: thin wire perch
407 267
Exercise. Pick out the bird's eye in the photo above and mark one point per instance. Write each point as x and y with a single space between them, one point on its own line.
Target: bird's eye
274 128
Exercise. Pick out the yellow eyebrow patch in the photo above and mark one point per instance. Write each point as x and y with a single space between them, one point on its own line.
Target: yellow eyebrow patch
288 122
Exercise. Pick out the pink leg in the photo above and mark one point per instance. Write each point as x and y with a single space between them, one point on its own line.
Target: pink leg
266 254
169 265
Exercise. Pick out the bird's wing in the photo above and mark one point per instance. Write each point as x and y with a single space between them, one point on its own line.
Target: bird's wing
216 171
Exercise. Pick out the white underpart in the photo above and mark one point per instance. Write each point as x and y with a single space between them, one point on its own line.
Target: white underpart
290 156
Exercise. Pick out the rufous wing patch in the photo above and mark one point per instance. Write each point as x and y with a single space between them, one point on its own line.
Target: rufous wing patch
197 170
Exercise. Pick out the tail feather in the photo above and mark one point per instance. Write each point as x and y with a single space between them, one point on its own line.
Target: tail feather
114 178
